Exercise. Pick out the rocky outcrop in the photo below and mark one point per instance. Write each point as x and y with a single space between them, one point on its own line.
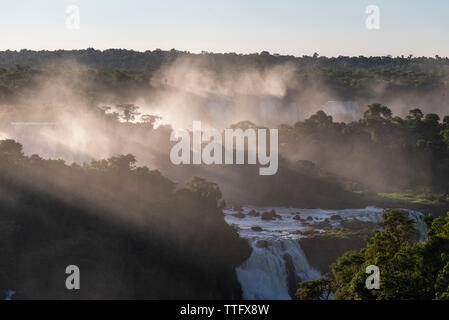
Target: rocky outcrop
270 215
292 278
253 213
323 249
262 244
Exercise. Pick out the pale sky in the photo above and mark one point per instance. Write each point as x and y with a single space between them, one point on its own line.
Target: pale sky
298 27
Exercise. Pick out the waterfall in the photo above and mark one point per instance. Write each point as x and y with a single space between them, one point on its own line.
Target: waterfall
419 224
265 275
278 263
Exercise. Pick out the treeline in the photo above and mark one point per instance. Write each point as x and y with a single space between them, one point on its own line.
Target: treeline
380 152
128 73
131 231
21 83
151 60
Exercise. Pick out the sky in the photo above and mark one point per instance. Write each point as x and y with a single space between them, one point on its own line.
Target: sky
328 27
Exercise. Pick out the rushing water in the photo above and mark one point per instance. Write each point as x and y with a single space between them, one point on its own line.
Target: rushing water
277 260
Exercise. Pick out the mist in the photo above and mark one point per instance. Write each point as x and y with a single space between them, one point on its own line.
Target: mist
63 116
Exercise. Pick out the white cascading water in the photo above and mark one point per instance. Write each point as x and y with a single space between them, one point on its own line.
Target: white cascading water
419 224
277 259
264 275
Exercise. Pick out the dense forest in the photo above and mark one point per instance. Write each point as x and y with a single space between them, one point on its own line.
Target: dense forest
393 151
323 162
404 81
152 60
381 151
131 231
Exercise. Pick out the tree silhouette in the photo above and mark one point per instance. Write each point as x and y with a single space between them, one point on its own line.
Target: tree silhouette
150 119
376 110
129 111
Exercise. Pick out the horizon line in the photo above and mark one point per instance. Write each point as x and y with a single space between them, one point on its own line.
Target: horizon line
204 52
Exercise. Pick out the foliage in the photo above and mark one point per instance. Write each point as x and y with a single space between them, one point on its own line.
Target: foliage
385 153
408 269
315 289
206 189
130 231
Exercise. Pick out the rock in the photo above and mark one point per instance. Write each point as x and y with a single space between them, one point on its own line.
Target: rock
356 224
268 215
239 215
292 278
336 217
238 208
253 213
324 224
309 218
308 232
256 228
297 217
278 216
322 250
262 244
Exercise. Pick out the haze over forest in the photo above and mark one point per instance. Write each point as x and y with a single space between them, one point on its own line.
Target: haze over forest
72 89
85 142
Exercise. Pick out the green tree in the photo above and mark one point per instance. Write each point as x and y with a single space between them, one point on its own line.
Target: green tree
432 119
319 289
446 122
408 269
415 114
122 163
377 110
205 189
321 119
11 150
